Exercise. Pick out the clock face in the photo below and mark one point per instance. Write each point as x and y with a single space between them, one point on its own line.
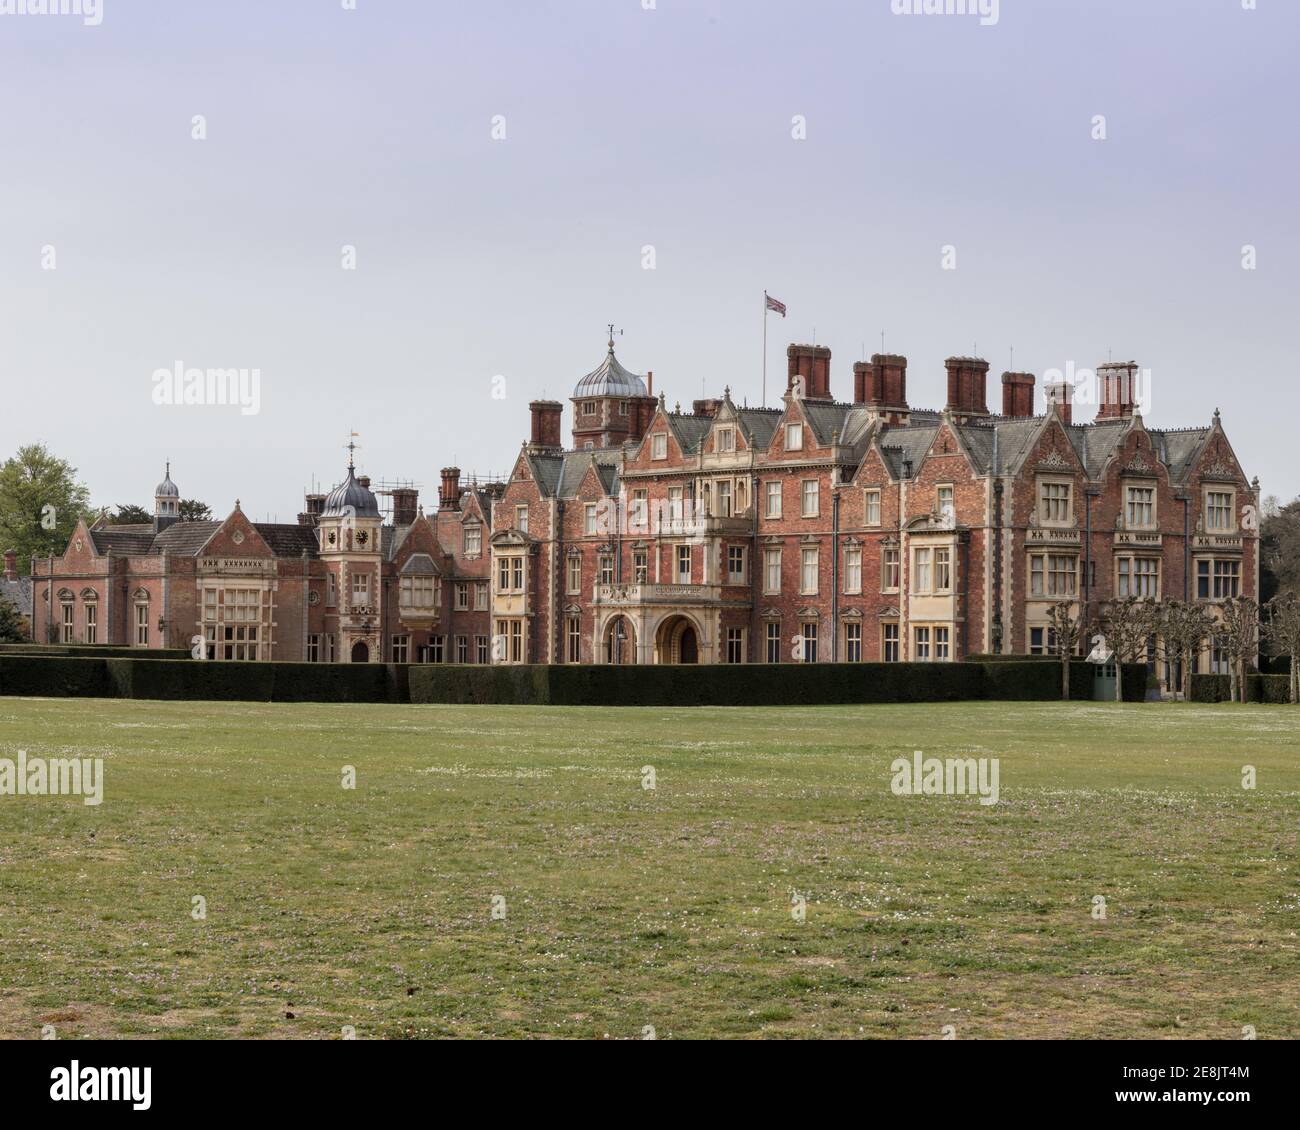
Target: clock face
332 537
361 537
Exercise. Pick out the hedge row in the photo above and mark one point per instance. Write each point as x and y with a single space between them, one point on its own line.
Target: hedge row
97 651
719 685
1259 688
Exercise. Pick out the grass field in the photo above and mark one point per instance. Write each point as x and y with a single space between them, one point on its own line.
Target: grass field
627 908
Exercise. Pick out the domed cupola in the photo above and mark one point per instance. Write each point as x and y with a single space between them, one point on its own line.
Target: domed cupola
166 501
350 497
611 404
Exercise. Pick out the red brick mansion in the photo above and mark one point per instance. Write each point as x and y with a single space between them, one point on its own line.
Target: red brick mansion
821 530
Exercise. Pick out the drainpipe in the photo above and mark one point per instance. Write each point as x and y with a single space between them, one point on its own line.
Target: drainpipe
997 626
835 575
558 590
1187 548
1087 565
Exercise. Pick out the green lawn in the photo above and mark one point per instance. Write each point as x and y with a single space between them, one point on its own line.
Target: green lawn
627 908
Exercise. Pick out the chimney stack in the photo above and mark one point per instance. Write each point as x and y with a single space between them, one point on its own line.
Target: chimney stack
1060 393
449 494
315 506
546 423
1017 394
881 383
405 504
1118 381
11 565
967 386
810 364
707 407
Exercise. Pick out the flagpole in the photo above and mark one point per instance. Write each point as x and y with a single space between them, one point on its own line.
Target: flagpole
764 349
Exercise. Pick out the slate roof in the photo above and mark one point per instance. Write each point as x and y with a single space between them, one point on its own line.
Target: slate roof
18 593
559 474
290 539
135 539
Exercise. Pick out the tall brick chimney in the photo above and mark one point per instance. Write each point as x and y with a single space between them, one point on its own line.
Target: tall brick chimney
546 423
881 382
1117 381
315 506
405 505
449 493
1060 393
11 565
813 364
967 386
1017 394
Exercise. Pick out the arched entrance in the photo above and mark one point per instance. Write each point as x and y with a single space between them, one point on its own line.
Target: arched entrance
620 641
360 652
677 641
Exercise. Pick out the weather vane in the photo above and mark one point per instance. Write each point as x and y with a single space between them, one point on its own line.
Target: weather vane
612 332
352 445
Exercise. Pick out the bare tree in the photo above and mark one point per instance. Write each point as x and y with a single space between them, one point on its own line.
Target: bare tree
1065 626
1183 625
1240 631
1129 624
1284 632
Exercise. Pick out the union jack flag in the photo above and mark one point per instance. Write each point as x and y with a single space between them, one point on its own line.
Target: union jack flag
774 304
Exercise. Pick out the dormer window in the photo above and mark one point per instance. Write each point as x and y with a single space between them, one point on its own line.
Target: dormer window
794 437
659 446
726 440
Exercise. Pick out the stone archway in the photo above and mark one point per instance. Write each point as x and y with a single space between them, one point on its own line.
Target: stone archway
360 652
619 641
677 641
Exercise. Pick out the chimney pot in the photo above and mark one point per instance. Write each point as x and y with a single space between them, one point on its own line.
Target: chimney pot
1017 395
812 365
11 565
546 416
1118 389
449 493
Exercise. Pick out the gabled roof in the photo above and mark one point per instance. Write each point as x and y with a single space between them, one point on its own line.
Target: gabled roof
289 540
760 425
559 474
134 538
419 563
18 593
185 539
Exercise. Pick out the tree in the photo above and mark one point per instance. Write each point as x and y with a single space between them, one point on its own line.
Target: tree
192 510
1240 632
1129 624
1065 626
128 515
40 503
1183 626
11 623
1283 631
1279 548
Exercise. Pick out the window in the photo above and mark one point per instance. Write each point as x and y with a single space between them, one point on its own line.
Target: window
588 407
735 645
1054 502
921 577
1042 641
735 564
92 623
683 564
462 596
1053 574
853 643
516 651
921 652
589 519
809 632
810 498
141 625
313 650
771 570
1138 576
808 572
360 589
575 574
942 649
436 649
1220 660
726 440
640 567
675 511
1218 510
943 499
889 643
872 515
773 641
239 641
401 648
510 574
1217 580
521 519
794 437
462 649
480 596
622 407
66 626
331 593
573 635
517 573
473 536
853 569
724 498
640 514
772 499
606 569
1141 510
890 570
481 649
659 445
418 591
943 569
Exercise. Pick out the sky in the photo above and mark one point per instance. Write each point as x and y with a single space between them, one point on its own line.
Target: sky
513 176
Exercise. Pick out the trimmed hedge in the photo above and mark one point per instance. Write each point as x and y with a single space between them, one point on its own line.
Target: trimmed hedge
1273 689
810 684
94 651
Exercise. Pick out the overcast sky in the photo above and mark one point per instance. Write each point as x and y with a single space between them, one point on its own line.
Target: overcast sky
480 257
